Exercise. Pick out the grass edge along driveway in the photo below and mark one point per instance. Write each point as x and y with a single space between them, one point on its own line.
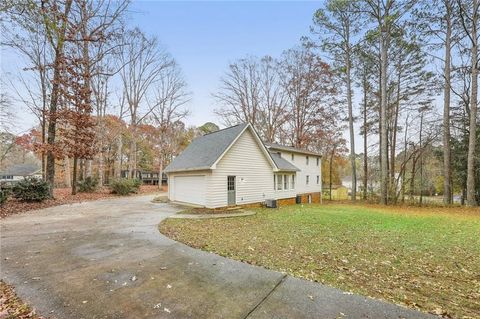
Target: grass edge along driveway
424 258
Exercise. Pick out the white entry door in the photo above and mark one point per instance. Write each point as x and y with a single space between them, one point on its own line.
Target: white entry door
189 189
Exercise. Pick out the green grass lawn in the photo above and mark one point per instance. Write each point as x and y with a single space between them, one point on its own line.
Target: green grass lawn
427 259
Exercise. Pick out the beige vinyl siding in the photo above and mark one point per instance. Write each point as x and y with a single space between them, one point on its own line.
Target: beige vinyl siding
311 170
254 174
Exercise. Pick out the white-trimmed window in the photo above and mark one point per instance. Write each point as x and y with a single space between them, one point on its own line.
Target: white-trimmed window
307 179
318 161
318 179
293 182
307 159
274 182
293 157
285 182
279 182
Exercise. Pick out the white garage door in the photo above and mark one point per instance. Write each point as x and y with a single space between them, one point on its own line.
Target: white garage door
190 189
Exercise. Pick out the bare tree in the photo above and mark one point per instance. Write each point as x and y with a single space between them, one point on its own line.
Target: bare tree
337 25
6 114
386 14
144 62
469 17
309 85
251 92
170 97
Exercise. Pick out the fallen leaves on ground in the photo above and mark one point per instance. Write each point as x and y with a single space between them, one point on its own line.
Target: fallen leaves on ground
13 307
64 196
423 258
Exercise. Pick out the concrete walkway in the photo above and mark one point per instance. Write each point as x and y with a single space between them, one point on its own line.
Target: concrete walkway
106 259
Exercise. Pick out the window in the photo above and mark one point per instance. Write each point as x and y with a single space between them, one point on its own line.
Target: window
279 182
293 182
293 157
307 159
318 179
307 181
318 161
285 182
274 182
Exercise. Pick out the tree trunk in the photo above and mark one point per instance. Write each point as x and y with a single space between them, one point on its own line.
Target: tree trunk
393 144
74 179
67 177
412 178
101 169
160 172
404 169
52 122
447 151
118 162
383 118
421 159
350 124
132 160
471 200
82 169
54 96
365 147
88 168
331 173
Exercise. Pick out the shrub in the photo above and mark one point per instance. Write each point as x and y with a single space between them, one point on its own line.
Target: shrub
3 195
88 185
31 190
136 183
124 186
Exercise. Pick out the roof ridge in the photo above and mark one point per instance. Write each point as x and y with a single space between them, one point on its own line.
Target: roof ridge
226 128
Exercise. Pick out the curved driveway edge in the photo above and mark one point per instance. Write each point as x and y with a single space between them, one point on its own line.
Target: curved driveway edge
211 216
106 259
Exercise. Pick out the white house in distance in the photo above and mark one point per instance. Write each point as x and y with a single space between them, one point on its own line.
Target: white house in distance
234 167
18 172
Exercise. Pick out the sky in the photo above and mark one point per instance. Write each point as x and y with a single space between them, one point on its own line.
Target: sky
204 37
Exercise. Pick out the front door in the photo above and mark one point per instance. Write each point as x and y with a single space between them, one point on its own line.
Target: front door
231 190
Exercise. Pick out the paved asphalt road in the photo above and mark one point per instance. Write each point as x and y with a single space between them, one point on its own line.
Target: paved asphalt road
106 259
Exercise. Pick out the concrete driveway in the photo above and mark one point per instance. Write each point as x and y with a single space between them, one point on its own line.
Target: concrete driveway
106 259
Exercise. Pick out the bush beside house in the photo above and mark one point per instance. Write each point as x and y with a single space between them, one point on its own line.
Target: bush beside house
31 190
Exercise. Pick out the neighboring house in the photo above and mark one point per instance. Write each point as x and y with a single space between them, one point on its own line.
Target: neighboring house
234 167
347 182
147 177
339 192
18 172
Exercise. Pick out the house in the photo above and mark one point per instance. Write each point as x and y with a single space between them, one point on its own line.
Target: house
234 167
18 172
147 177
339 192
348 183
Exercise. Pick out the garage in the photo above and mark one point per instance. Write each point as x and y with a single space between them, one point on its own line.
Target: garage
189 189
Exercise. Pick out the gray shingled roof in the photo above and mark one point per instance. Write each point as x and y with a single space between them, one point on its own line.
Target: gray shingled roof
283 164
275 146
204 151
21 170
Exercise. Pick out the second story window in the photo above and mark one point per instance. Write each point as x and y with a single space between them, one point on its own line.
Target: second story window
307 179
293 157
307 159
318 161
